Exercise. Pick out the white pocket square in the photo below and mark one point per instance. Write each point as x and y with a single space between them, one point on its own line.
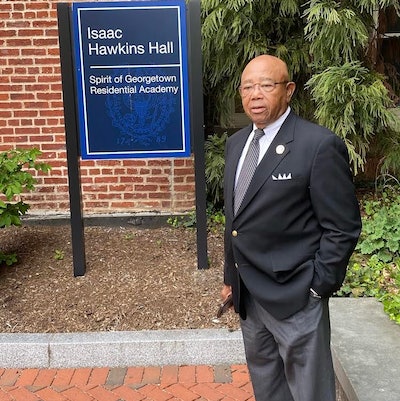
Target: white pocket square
280 177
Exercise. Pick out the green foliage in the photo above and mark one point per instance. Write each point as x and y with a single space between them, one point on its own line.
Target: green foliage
381 228
129 236
363 279
390 297
59 254
391 305
9 259
353 102
389 145
374 269
215 220
10 213
16 178
13 178
214 170
234 32
186 221
336 31
374 278
330 48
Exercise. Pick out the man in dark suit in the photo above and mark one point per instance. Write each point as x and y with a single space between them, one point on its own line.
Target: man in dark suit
288 238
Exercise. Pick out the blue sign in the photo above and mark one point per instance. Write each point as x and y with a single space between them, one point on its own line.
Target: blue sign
132 79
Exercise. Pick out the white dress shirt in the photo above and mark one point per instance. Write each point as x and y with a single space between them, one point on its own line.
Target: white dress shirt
265 141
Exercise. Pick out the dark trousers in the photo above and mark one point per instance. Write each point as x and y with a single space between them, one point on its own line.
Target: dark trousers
290 359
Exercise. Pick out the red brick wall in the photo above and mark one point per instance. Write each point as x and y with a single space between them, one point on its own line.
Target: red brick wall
31 115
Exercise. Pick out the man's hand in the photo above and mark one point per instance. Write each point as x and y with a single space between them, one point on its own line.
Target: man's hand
226 291
226 295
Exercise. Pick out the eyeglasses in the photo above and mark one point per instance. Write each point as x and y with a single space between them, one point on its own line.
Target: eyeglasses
266 87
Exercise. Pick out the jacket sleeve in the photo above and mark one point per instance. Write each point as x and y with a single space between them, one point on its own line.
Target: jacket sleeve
336 207
229 273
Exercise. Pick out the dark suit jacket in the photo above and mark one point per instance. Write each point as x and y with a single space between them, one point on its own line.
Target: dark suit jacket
299 221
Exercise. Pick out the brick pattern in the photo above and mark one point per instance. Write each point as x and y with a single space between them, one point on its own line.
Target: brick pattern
31 114
186 383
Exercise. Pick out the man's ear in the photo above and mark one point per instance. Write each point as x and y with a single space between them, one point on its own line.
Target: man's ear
290 88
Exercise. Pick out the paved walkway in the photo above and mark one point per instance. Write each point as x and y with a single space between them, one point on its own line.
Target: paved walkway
186 383
196 365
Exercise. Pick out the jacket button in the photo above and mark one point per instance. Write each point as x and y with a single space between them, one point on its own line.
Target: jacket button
234 233
236 265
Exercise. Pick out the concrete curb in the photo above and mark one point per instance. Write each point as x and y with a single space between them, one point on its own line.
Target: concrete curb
116 349
366 349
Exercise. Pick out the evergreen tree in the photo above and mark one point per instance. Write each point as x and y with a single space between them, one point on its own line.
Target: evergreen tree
331 48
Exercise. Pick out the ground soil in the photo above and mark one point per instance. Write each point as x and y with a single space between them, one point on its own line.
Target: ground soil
136 279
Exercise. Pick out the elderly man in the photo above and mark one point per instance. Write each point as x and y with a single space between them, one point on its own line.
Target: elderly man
292 222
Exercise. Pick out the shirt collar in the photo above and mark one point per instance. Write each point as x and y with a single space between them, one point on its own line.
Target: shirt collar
276 125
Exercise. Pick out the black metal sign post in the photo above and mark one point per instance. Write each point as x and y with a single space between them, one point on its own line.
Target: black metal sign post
71 132
75 92
197 128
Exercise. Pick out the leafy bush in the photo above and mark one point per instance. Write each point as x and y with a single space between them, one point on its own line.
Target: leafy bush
15 179
215 220
333 46
186 221
374 278
214 171
374 269
353 102
363 279
391 305
381 228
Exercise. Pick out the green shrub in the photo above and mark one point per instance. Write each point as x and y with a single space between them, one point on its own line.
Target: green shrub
391 305
374 269
15 179
215 220
214 170
381 227
391 293
353 102
186 221
363 279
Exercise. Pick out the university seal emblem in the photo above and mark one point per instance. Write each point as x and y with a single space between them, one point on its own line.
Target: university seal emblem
141 105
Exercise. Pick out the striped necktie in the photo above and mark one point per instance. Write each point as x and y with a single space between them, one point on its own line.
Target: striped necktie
248 168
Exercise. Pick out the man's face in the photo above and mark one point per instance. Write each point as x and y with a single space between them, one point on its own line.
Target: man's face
265 90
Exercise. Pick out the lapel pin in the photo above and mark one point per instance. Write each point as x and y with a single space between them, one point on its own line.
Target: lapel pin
280 149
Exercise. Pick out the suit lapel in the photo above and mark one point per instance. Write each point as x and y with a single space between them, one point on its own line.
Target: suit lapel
271 159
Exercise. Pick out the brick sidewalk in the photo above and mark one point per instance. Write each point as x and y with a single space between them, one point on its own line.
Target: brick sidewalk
186 383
